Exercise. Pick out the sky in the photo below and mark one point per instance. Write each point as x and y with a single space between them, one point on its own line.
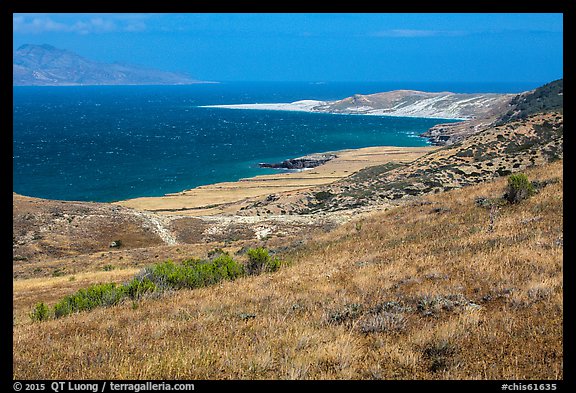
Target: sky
397 47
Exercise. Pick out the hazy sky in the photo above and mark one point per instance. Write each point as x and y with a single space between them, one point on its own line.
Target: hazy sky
314 47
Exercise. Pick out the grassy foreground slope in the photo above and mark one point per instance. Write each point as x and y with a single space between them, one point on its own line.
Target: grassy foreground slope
436 289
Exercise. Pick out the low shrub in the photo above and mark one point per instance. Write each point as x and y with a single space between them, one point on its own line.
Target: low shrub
323 196
40 312
348 312
190 274
439 354
138 287
216 252
259 261
228 267
519 188
195 273
89 298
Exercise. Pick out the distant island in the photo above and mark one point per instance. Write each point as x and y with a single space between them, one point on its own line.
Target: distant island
45 65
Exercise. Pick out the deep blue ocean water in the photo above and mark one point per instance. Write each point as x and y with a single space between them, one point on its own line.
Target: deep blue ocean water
108 143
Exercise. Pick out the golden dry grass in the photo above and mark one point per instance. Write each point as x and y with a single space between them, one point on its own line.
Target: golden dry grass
423 291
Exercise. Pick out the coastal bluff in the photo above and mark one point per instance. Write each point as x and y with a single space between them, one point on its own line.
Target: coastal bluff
398 103
306 162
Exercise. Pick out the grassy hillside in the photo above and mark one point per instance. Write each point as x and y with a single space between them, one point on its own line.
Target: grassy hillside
441 288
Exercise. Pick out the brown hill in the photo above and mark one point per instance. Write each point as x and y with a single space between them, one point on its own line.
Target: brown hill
61 228
428 290
423 104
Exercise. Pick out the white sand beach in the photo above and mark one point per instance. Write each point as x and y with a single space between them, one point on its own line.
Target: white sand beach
297 106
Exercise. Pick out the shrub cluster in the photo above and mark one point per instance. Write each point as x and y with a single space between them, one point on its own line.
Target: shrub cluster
260 261
519 188
195 273
101 295
89 298
40 312
190 274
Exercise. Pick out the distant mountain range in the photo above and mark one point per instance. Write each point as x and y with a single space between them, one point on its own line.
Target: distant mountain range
45 65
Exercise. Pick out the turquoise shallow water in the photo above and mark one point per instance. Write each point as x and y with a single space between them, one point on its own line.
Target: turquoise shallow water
108 143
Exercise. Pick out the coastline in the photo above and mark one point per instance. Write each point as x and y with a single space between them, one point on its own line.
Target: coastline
314 106
231 197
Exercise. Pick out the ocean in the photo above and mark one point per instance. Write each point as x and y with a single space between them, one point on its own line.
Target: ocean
109 143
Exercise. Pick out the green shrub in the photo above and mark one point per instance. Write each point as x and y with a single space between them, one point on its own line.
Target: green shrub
260 261
110 295
191 273
138 287
62 308
273 264
195 273
167 274
102 295
228 268
89 298
40 312
192 261
216 252
58 272
519 188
